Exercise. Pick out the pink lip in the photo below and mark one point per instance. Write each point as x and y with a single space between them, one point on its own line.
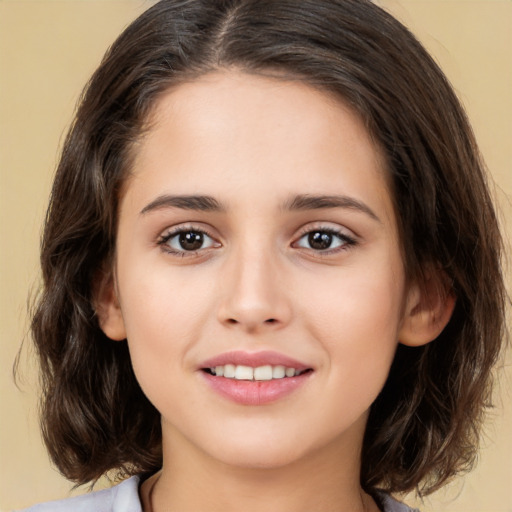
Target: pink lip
247 392
254 359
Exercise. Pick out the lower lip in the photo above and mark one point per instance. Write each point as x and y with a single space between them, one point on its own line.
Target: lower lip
255 392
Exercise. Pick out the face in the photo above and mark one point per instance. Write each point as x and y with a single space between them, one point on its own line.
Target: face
258 274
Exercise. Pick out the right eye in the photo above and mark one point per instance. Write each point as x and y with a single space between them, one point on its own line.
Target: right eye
185 240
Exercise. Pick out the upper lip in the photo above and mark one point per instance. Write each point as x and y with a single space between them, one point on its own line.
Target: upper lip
254 359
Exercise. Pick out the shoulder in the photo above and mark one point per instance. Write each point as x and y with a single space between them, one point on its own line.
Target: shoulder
388 504
123 497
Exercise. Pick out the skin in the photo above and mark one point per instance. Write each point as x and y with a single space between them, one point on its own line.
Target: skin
253 144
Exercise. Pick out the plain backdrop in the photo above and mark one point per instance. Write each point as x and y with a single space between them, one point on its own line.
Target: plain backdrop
48 49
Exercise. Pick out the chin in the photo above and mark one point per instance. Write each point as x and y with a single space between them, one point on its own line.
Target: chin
257 457
266 448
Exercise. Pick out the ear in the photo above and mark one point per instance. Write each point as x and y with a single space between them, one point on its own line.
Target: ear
107 307
428 309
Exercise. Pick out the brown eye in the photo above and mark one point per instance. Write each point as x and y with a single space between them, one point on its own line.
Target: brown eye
191 240
186 240
320 240
324 240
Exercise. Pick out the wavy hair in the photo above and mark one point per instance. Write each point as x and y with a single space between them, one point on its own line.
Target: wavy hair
423 428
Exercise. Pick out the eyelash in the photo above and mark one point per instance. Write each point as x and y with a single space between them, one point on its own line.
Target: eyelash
164 240
345 241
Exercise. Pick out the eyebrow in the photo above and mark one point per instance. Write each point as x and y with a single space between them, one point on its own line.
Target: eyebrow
186 202
300 202
319 202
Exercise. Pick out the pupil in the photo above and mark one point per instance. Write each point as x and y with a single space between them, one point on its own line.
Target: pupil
320 240
191 240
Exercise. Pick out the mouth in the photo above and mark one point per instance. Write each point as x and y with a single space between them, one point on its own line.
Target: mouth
255 378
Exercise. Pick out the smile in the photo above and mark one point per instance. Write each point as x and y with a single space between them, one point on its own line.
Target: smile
260 373
254 379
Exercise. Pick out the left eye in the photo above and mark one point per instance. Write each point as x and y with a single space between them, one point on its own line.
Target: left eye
188 241
323 240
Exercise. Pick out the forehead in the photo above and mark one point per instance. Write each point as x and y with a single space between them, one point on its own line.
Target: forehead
248 132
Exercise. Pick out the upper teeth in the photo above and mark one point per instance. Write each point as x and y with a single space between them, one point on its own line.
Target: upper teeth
241 372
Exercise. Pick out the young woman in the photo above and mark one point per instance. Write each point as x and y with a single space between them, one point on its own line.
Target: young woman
271 266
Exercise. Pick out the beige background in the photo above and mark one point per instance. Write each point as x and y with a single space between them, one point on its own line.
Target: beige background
48 48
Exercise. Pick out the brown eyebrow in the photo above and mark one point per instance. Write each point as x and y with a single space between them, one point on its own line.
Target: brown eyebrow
187 202
316 202
300 202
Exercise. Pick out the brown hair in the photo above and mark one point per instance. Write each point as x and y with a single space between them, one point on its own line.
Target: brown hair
423 428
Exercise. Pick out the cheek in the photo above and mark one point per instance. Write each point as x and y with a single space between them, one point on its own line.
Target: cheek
164 312
357 318
158 298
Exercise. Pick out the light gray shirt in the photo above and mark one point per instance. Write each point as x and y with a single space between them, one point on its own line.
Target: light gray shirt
124 497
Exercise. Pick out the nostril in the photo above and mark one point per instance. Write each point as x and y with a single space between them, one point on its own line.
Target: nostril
250 323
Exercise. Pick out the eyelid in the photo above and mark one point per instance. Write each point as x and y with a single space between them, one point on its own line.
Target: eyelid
173 231
349 237
329 226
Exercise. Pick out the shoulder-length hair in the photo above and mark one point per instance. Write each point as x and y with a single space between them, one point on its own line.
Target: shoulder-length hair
423 428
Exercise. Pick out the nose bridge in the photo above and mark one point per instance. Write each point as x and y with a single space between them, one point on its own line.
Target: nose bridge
254 294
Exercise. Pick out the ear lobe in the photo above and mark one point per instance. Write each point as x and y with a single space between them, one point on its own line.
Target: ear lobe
107 307
428 310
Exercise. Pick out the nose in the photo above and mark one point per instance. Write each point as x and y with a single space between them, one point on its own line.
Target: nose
254 295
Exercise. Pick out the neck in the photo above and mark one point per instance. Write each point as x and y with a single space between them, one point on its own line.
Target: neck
321 481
